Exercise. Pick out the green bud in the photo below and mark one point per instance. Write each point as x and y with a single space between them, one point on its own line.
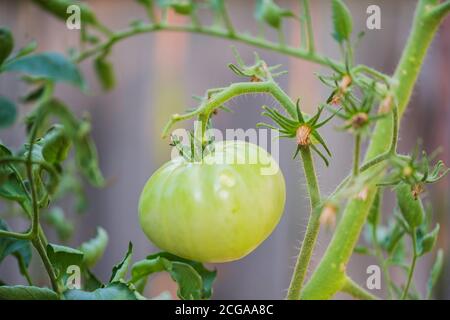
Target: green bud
105 73
410 208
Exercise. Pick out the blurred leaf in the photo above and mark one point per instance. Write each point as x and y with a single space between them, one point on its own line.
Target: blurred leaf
105 73
342 21
93 249
183 7
29 48
11 186
79 132
269 12
120 270
435 272
114 291
33 95
427 242
59 9
6 44
62 257
55 144
48 65
26 293
21 249
8 112
91 282
194 280
57 219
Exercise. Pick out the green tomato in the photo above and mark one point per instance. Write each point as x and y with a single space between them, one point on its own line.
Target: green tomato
214 211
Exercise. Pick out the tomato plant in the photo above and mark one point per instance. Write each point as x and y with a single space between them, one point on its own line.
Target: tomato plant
200 210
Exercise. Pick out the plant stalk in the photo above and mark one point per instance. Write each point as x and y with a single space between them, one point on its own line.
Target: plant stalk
329 276
312 230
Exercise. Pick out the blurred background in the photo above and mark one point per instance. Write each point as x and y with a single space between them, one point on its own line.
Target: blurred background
157 74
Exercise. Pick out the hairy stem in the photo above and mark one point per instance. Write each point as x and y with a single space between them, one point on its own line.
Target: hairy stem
312 230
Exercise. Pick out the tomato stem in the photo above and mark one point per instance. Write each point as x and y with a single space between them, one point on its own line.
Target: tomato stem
312 229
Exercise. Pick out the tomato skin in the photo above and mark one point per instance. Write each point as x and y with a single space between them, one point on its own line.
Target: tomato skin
212 212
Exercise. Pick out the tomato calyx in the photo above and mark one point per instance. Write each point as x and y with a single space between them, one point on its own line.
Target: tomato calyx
257 72
303 129
415 171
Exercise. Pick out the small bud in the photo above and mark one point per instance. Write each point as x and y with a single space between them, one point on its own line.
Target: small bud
328 216
303 135
359 120
345 83
407 171
386 105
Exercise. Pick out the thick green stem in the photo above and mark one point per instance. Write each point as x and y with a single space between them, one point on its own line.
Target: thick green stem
329 276
312 230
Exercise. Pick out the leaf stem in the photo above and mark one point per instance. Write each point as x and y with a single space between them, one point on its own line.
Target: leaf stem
356 154
356 291
312 229
308 55
413 265
309 27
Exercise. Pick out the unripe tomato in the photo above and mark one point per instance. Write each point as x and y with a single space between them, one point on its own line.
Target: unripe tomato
213 212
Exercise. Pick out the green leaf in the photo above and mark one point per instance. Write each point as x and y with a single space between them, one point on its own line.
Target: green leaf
8 112
59 9
120 270
428 241
6 44
105 73
435 272
342 21
55 144
26 293
62 257
93 249
57 219
11 186
48 65
269 12
21 249
183 7
79 132
29 48
114 291
194 280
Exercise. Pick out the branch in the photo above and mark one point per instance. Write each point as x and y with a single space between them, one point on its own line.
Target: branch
440 11
356 291
312 229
